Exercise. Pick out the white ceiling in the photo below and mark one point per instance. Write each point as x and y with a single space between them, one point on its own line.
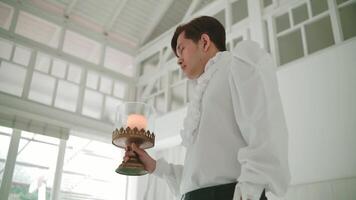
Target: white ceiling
128 23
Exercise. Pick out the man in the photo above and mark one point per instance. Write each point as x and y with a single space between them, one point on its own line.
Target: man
234 131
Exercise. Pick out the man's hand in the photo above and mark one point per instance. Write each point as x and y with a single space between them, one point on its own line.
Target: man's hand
148 162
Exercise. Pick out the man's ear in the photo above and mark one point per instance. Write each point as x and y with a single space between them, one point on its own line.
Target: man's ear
206 42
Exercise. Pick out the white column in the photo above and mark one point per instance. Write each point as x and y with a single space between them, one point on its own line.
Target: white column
255 17
10 164
59 169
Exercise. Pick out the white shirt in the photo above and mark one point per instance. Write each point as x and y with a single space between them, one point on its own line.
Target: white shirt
234 129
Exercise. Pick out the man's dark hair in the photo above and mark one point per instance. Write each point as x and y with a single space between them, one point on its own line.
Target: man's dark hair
198 26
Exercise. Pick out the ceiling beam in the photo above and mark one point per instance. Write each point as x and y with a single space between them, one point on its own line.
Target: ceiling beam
191 9
157 18
118 8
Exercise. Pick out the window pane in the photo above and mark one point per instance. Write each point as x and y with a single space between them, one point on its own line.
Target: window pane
22 56
81 47
5 137
110 108
74 73
318 6
150 64
319 35
160 103
42 88
267 3
5 49
178 96
347 18
67 96
43 63
118 61
12 78
239 11
220 16
290 47
5 15
37 29
92 80
34 167
106 84
120 89
90 165
300 14
92 104
59 68
282 22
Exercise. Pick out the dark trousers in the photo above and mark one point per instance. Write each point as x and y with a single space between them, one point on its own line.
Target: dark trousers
219 192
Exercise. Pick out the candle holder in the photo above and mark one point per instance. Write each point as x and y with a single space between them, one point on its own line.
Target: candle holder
133 121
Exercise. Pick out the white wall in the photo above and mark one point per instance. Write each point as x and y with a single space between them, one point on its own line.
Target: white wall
319 95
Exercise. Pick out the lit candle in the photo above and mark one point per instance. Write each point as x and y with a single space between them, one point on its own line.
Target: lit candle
136 120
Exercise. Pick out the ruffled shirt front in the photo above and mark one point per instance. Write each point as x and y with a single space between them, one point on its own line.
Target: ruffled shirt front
234 131
191 121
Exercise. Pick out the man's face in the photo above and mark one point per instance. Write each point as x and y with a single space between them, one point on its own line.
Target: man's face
190 56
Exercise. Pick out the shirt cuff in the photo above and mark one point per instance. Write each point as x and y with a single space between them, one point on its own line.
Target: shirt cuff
248 191
162 168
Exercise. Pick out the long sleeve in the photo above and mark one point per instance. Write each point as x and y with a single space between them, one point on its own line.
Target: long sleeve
259 115
171 173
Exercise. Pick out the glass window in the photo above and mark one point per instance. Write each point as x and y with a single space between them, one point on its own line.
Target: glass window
42 87
105 84
347 19
90 165
239 11
178 96
34 169
67 96
59 68
318 6
81 47
74 73
118 61
290 46
5 49
150 64
22 55
12 78
92 104
43 63
340 1
120 89
282 22
37 29
267 3
92 80
300 14
319 35
220 16
110 108
5 137
5 15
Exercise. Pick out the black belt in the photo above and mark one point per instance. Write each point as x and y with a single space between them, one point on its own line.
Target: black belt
219 192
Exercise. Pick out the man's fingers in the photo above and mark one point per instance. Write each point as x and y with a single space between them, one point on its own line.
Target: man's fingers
136 149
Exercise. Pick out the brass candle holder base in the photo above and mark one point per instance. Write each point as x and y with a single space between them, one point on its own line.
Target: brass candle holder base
123 138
